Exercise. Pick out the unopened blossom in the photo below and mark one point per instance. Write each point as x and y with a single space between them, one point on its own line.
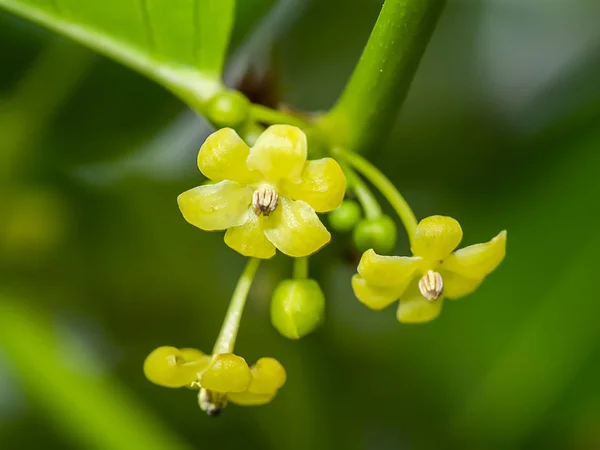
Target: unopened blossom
220 378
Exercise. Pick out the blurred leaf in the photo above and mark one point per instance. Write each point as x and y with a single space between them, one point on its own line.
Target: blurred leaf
93 409
181 46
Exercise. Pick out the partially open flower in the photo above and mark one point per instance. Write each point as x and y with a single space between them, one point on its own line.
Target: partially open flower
221 378
265 196
422 281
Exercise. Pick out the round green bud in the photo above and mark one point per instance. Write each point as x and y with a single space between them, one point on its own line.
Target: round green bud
228 109
378 234
345 217
297 307
251 132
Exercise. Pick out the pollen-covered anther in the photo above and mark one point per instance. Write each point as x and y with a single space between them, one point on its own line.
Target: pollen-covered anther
212 403
431 285
264 201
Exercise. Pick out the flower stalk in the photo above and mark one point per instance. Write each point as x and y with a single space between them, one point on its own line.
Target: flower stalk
385 186
301 268
231 324
365 197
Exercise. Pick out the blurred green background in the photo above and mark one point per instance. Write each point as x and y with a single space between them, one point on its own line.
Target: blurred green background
501 130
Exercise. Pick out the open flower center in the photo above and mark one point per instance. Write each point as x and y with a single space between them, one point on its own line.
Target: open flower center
212 403
264 200
431 285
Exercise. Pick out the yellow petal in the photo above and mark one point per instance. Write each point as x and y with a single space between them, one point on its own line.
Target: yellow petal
456 286
414 308
477 261
193 354
436 237
216 206
171 367
268 376
226 373
223 157
375 297
322 185
387 270
249 239
279 153
250 399
295 229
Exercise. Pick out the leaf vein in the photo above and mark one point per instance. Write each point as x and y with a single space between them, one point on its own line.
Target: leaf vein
147 21
196 34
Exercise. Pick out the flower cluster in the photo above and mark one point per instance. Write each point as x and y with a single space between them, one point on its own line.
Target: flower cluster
220 378
265 196
422 281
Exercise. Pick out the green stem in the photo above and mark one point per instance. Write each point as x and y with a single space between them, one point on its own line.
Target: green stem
367 109
91 408
367 200
264 114
385 186
301 267
231 324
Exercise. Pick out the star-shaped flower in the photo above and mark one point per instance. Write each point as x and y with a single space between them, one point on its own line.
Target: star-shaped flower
221 378
422 281
265 196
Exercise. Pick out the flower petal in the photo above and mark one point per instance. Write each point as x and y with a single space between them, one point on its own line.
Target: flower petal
279 153
223 157
388 270
436 237
171 367
456 286
295 229
374 297
414 308
322 185
249 239
250 399
226 373
268 376
216 206
477 261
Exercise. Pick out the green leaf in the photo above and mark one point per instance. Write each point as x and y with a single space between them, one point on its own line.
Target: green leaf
181 45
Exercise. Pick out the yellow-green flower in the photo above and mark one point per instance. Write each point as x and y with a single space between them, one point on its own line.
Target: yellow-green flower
422 281
265 196
221 378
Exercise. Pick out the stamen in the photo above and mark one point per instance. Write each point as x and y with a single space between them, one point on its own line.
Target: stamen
431 285
264 201
212 403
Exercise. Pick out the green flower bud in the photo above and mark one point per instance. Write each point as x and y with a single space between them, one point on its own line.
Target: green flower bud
228 109
378 234
297 307
251 132
345 217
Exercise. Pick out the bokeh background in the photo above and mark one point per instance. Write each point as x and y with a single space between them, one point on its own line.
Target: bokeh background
501 130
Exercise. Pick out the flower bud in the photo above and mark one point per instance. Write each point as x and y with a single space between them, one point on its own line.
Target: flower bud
297 307
228 109
378 234
345 217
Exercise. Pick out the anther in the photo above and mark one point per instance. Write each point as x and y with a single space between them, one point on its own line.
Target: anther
431 285
264 201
